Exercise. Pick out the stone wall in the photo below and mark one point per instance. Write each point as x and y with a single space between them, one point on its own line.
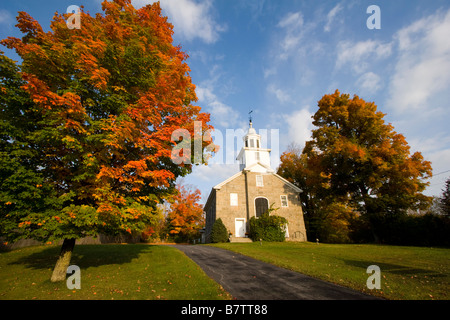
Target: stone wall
228 213
210 210
272 189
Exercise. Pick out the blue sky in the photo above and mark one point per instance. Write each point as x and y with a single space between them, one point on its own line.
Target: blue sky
278 58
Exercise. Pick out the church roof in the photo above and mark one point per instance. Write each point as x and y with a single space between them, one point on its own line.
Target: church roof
291 185
218 186
251 131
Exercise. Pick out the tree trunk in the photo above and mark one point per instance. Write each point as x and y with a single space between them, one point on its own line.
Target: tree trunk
60 270
369 210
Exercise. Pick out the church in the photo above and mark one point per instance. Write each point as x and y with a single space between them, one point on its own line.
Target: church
250 193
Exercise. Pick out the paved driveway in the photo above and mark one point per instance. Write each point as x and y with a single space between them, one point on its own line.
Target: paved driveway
250 279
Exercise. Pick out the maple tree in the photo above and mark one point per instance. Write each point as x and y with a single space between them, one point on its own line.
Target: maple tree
185 217
356 159
326 216
97 107
23 188
302 170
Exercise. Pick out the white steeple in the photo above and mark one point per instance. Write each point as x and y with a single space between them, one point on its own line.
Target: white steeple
252 157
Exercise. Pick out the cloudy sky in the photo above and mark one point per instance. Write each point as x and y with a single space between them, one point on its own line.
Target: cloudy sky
278 58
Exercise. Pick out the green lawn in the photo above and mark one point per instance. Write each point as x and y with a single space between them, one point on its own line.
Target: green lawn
161 272
107 272
406 272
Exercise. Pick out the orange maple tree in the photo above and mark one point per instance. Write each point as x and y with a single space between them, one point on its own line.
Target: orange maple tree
186 213
108 95
356 159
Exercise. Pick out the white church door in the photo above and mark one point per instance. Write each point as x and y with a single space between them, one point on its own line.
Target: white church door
240 227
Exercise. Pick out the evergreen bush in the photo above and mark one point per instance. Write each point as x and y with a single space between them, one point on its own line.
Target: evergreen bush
219 232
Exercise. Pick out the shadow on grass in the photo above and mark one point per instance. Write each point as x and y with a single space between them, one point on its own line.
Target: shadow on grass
394 268
85 256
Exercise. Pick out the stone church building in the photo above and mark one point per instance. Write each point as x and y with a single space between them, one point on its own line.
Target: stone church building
250 192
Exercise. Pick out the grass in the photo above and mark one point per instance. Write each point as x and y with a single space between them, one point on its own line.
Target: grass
407 273
159 272
107 272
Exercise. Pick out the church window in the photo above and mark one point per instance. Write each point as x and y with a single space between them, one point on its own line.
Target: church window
233 199
257 156
259 181
261 206
284 201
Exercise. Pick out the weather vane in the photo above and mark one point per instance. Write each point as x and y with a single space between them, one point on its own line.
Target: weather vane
250 116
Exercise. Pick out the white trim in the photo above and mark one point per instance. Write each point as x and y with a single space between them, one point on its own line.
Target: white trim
286 231
287 201
261 182
253 166
234 199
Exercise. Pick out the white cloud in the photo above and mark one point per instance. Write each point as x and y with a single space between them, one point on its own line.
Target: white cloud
440 162
191 19
281 95
431 144
330 17
269 72
294 29
423 63
360 55
291 20
221 113
299 126
220 172
369 82
292 50
206 177
6 18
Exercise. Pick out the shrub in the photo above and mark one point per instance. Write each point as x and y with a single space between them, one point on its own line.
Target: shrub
219 232
407 230
268 228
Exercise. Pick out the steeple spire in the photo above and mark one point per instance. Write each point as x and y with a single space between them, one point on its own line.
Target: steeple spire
252 156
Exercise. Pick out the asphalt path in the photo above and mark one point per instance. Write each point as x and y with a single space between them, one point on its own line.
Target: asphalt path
246 278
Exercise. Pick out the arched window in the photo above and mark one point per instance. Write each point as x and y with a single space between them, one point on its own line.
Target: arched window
261 206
